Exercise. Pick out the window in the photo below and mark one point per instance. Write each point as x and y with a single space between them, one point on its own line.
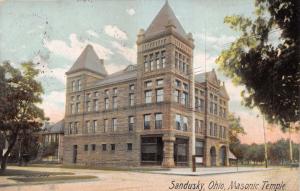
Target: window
96 94
93 147
163 59
78 97
146 66
185 87
185 123
103 147
201 105
184 99
77 107
87 126
70 128
86 147
158 120
130 123
106 102
159 82
201 126
176 96
211 129
105 125
215 109
88 106
199 147
148 84
215 130
72 98
131 99
147 121
88 96
72 108
114 102
113 147
95 125
211 107
96 105
177 83
157 61
79 85
178 122
148 96
114 124
115 91
220 131
106 92
131 87
159 95
73 86
129 146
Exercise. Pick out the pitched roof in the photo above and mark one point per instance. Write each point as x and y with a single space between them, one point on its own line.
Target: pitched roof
128 73
211 76
164 18
88 60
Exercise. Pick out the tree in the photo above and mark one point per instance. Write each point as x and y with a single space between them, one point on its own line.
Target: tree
19 94
235 129
265 58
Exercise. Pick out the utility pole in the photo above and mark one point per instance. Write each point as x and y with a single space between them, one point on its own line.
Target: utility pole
266 149
290 144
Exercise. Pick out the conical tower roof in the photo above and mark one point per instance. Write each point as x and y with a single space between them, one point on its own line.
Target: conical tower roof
165 17
88 60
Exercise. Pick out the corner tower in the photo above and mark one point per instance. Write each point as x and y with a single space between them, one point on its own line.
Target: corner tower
86 70
165 52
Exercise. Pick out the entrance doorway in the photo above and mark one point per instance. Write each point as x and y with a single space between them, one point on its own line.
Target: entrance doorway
223 155
151 150
74 154
213 156
181 152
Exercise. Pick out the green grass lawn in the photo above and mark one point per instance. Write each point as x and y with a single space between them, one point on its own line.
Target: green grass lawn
52 178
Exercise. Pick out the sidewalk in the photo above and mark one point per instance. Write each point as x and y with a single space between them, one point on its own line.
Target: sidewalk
209 170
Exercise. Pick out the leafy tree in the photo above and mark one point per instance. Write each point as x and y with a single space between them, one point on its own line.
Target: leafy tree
19 94
235 129
265 58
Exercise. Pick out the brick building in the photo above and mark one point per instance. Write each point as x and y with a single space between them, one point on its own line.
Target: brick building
144 114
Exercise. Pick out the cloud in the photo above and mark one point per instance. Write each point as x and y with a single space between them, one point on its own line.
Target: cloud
75 48
45 71
216 42
92 33
199 61
234 91
114 32
130 11
129 54
53 105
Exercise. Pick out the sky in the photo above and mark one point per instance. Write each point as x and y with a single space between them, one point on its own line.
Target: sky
54 33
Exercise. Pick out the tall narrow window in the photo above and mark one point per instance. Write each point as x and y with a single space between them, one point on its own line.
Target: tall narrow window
96 105
87 127
147 121
215 130
151 62
185 123
77 107
79 85
176 96
105 125
146 66
88 106
178 122
114 124
184 99
159 95
157 61
95 125
114 102
73 86
163 59
106 102
72 108
211 129
148 96
158 120
130 123
131 99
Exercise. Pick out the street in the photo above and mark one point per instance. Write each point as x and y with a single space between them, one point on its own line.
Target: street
275 179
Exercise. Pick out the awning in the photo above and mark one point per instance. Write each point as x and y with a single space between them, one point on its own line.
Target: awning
231 155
